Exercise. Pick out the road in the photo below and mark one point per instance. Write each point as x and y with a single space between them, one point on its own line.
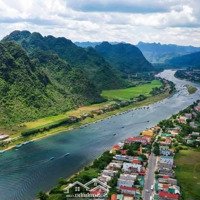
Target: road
149 178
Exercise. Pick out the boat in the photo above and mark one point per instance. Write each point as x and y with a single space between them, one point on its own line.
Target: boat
18 145
114 134
67 154
28 142
52 158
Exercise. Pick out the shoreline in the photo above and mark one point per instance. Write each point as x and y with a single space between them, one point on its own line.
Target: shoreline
98 118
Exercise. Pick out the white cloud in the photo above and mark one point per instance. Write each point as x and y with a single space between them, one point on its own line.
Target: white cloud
166 21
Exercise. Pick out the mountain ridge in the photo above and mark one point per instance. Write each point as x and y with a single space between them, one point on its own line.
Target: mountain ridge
85 59
125 57
189 60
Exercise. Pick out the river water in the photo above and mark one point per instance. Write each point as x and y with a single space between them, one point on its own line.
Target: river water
25 172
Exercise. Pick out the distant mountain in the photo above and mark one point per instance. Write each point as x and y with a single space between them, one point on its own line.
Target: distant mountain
90 44
98 71
87 44
189 60
160 53
125 57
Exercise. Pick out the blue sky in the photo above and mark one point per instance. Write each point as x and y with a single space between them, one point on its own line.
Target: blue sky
165 21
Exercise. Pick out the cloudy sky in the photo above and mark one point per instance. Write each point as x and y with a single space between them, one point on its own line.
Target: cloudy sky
165 21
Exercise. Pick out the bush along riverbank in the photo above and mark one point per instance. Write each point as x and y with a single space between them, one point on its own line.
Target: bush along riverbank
105 111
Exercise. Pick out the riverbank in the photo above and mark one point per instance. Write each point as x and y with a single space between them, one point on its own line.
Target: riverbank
34 171
85 122
169 147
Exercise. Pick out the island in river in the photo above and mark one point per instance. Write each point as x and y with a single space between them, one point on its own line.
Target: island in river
30 170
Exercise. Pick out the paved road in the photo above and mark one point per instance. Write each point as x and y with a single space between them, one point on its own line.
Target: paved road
149 178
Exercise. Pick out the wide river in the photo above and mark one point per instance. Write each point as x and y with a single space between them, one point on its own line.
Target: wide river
25 172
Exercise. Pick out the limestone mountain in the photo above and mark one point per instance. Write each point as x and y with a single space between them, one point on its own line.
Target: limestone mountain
125 57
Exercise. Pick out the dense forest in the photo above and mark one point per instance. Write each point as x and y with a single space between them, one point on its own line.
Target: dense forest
43 76
189 60
125 57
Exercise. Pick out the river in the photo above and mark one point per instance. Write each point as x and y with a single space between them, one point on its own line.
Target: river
25 172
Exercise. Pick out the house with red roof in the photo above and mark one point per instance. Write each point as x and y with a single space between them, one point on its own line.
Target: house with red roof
197 108
128 190
99 191
142 140
167 196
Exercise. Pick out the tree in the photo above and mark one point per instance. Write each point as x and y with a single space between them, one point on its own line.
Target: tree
42 196
156 149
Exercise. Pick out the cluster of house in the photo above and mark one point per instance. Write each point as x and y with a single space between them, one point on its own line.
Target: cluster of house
194 137
128 172
130 182
166 187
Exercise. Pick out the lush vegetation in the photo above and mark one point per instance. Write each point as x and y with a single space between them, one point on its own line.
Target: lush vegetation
46 76
189 60
191 89
189 74
95 68
125 57
188 173
132 92
28 91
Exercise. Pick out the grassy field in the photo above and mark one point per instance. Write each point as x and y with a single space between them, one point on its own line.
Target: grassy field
77 112
87 109
128 93
188 173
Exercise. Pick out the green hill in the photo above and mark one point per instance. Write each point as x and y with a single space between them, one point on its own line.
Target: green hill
29 89
189 60
125 57
98 71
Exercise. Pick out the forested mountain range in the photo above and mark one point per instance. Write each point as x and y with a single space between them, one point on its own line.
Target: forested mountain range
99 72
161 53
30 89
125 57
189 60
44 75
155 53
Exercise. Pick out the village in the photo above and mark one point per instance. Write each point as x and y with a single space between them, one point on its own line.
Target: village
140 167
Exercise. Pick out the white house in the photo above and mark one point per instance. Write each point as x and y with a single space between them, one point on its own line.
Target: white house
131 167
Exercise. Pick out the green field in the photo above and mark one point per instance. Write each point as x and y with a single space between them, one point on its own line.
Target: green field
188 173
128 93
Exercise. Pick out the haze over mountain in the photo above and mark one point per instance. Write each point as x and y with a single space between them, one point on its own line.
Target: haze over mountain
125 57
160 53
